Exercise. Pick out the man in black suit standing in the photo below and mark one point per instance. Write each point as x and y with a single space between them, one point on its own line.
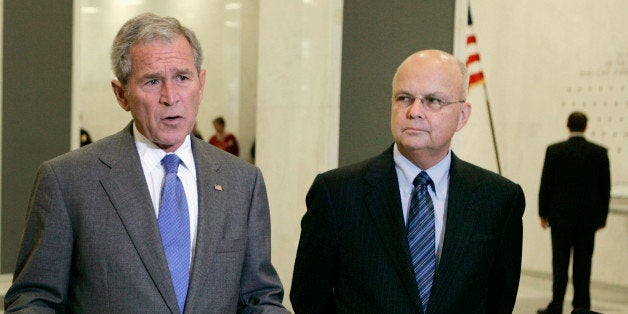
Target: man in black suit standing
573 201
366 223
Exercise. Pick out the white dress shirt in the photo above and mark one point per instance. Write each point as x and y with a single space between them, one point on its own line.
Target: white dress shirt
155 174
439 173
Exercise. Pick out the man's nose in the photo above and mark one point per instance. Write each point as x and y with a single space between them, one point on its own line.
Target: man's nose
168 94
417 109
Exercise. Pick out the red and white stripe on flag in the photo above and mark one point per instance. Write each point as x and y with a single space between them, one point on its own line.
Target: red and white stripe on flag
473 56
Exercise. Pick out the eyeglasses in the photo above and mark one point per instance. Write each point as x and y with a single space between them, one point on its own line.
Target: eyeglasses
431 103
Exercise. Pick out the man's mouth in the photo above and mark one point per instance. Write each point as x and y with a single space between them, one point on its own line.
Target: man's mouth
415 130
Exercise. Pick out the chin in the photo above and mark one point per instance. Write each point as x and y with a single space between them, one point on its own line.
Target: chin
414 143
409 147
169 141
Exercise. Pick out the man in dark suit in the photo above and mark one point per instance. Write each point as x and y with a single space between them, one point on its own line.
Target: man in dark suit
573 201
96 221
357 248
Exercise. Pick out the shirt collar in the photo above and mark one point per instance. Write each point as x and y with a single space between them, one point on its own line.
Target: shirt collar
438 173
151 155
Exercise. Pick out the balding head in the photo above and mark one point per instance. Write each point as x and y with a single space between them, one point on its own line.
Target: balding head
428 105
437 58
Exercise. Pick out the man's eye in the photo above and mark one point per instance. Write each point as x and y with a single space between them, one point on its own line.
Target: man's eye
433 101
183 78
405 99
152 82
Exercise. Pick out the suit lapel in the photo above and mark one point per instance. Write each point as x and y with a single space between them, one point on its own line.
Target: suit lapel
126 187
461 214
211 203
384 204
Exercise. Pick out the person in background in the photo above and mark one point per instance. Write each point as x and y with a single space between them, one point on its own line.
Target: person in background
573 202
415 229
224 140
151 219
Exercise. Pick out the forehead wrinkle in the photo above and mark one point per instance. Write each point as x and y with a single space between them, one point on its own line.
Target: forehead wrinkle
156 60
162 69
441 85
142 55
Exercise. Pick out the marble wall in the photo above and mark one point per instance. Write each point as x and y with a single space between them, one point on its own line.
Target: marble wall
298 110
543 60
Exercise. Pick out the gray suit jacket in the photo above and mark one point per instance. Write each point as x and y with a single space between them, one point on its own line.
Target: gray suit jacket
353 255
92 243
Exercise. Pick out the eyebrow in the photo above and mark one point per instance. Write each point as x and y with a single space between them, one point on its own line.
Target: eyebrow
435 95
179 71
430 94
151 75
159 74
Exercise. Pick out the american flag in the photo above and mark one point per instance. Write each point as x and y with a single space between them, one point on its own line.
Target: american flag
473 55
476 77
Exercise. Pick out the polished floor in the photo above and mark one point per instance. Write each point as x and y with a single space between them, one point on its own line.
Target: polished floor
535 291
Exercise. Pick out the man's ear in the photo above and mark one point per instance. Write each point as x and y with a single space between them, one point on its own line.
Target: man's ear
201 76
465 113
120 92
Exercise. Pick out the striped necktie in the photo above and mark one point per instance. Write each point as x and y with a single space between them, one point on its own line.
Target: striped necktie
421 236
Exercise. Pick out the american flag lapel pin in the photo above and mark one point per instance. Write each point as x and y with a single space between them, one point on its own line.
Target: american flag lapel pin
217 187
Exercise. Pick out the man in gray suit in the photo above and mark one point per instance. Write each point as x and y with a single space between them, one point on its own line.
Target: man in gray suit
93 241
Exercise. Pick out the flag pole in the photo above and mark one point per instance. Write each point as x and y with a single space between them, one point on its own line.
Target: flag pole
480 77
490 119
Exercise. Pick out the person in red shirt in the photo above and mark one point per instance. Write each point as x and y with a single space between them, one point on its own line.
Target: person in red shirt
224 140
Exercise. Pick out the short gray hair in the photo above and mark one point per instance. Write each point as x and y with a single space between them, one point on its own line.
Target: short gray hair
465 76
143 28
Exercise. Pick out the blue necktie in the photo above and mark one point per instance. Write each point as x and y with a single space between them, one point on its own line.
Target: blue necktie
421 236
174 225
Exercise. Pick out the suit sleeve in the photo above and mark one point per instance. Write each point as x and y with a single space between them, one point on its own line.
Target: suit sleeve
42 271
605 189
506 270
545 191
315 266
261 289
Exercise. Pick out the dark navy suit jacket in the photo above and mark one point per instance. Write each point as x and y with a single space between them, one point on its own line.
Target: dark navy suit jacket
353 254
575 184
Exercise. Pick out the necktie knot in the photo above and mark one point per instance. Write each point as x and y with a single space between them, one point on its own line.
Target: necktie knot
171 163
423 179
